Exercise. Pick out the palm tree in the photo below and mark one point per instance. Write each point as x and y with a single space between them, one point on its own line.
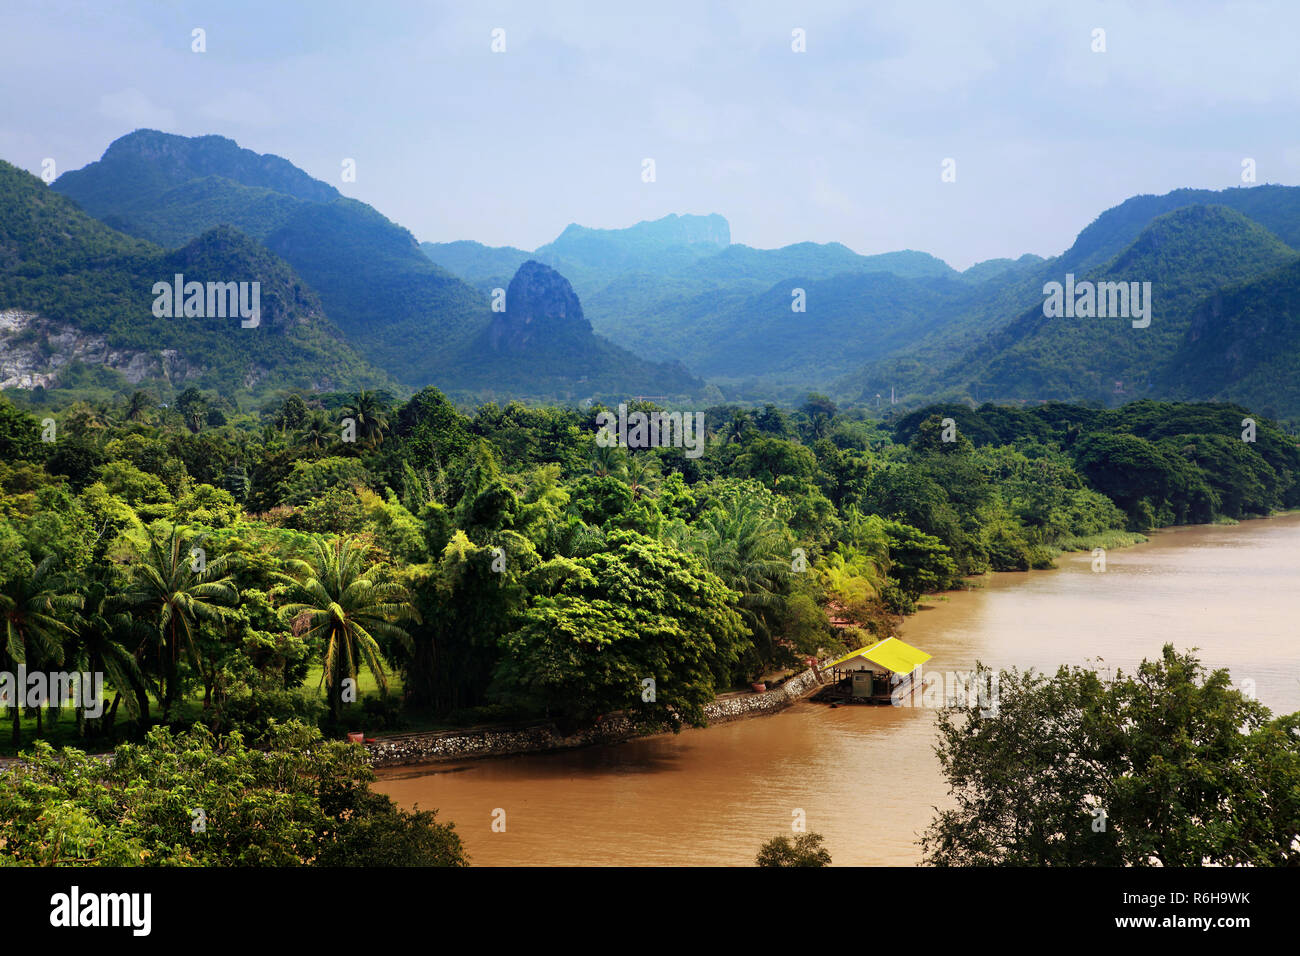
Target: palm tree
370 415
29 604
749 549
608 461
103 636
177 598
642 476
345 606
138 405
736 428
317 431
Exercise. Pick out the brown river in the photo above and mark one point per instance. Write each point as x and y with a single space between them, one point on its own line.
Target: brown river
865 777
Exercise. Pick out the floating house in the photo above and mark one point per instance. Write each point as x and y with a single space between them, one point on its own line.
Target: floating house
874 674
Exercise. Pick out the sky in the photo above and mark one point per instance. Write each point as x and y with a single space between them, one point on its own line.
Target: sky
843 142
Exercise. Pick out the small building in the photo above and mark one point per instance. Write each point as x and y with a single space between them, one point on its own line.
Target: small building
874 674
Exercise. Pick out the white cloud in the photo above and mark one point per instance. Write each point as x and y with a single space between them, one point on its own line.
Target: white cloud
135 110
239 107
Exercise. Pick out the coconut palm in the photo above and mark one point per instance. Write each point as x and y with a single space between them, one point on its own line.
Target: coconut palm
177 594
31 605
735 429
318 431
608 461
105 637
368 411
138 406
642 476
337 601
749 549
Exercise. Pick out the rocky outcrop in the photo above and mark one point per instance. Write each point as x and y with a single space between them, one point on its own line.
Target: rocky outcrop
541 307
33 350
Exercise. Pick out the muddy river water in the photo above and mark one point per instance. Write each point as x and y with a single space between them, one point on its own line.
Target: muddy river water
866 777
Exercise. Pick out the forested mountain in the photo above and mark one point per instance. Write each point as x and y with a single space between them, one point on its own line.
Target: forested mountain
399 309
415 320
1243 345
1276 208
542 344
76 308
681 304
661 289
1190 244
1185 255
906 322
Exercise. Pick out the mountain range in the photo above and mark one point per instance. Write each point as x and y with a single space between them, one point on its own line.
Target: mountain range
406 316
661 308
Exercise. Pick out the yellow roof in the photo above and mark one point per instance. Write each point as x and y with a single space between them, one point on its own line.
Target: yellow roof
891 653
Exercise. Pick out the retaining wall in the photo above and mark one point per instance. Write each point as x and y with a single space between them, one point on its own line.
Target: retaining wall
531 738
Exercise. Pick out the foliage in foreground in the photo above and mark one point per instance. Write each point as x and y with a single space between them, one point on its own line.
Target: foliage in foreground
294 800
1167 766
804 850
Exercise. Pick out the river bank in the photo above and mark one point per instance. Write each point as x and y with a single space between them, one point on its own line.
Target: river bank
866 777
399 749
392 750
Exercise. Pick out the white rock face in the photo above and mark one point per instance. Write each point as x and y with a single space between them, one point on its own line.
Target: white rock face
33 349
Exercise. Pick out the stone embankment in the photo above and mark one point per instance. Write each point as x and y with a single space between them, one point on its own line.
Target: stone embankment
543 736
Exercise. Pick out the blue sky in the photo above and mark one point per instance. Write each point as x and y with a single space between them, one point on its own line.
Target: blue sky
841 143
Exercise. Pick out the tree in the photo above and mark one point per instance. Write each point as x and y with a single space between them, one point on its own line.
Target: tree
370 415
317 432
736 429
292 799
769 459
821 412
178 590
608 461
344 606
745 544
103 644
805 850
292 412
20 434
193 407
1167 766
598 628
31 604
642 476
432 431
138 406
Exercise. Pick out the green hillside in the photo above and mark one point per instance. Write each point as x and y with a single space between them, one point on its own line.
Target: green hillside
397 307
90 288
1185 255
1243 345
1000 346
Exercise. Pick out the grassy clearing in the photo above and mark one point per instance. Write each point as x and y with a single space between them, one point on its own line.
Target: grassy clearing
1106 539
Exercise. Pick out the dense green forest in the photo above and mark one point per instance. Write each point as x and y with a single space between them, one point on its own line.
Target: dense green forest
308 559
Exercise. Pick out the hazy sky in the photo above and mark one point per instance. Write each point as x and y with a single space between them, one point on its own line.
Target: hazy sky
843 142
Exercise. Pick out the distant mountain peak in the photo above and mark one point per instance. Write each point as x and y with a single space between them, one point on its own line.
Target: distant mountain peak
168 159
670 230
540 305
